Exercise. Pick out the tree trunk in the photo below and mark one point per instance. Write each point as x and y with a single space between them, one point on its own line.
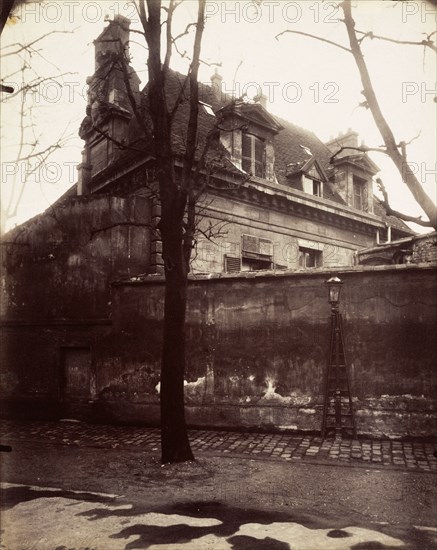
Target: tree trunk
175 446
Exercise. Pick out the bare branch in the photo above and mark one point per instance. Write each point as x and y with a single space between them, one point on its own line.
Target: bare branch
194 99
212 233
315 37
48 149
427 43
37 82
412 139
94 232
192 132
117 142
169 39
185 32
141 10
390 212
180 97
361 149
131 96
22 47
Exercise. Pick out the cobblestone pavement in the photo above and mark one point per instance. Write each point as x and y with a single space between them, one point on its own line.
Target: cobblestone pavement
415 455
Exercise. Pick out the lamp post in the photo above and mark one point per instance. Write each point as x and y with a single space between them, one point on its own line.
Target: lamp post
335 414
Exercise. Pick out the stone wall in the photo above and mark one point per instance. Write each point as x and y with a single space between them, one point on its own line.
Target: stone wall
257 349
425 248
256 352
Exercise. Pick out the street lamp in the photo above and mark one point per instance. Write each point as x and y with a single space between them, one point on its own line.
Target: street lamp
334 285
337 409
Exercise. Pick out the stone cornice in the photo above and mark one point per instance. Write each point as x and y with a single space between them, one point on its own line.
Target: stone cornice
259 192
292 201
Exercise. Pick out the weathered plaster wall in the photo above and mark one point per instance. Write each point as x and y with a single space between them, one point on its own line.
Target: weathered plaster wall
231 217
31 358
61 263
56 273
257 349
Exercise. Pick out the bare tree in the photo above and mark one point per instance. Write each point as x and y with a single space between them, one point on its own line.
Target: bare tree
178 177
24 143
396 150
177 195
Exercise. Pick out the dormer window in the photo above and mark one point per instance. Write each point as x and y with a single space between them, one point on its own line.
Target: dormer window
312 186
358 189
250 148
253 155
307 176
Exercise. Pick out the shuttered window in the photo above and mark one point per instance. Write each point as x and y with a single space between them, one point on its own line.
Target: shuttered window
256 247
232 264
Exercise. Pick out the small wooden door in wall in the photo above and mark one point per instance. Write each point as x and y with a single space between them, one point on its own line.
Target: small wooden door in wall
76 374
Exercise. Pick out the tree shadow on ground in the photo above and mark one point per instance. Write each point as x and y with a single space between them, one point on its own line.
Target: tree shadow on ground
230 518
11 496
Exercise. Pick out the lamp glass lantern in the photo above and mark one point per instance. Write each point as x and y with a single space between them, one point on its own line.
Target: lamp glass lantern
334 285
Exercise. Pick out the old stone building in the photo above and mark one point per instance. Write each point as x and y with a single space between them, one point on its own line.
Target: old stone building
274 200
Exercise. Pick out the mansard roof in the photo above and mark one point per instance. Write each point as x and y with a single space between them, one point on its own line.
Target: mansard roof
290 140
292 143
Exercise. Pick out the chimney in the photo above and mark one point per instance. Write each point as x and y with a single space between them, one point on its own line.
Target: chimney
114 38
263 101
349 138
216 84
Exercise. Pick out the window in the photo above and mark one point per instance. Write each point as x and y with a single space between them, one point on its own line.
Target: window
256 254
250 264
312 186
358 187
253 155
309 257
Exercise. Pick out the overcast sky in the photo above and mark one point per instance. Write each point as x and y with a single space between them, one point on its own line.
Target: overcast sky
309 83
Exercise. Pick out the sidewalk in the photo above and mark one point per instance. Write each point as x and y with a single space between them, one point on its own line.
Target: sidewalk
414 455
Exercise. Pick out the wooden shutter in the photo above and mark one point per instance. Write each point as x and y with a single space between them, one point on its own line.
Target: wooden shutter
259 157
250 244
246 153
232 264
